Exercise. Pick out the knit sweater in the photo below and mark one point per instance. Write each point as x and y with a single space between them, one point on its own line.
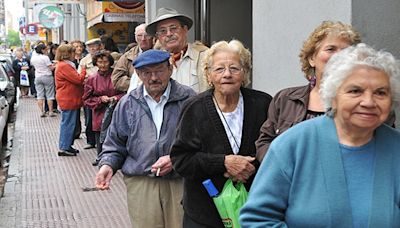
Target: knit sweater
301 181
201 145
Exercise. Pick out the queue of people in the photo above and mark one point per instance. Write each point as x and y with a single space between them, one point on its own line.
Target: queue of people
319 155
322 154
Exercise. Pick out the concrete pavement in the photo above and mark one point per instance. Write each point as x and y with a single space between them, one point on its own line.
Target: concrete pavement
45 190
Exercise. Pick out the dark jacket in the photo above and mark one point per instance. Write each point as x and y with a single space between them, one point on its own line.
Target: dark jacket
289 107
201 145
17 64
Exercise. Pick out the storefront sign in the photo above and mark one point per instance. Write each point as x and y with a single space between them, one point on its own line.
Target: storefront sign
34 2
32 29
51 17
123 17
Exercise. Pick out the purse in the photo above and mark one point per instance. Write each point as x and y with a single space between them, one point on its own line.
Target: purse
105 122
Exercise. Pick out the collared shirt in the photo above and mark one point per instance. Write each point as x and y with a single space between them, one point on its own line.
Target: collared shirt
188 69
157 108
88 64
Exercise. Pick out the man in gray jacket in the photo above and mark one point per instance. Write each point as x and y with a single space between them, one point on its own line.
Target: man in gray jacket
139 140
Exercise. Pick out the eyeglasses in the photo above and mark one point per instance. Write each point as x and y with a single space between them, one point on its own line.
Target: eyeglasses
164 31
232 69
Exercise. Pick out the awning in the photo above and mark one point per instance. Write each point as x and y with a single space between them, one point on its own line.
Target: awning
95 20
116 17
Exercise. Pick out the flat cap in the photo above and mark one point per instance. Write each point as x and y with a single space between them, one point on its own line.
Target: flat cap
93 41
150 57
168 13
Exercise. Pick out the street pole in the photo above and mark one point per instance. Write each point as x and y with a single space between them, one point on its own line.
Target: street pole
26 24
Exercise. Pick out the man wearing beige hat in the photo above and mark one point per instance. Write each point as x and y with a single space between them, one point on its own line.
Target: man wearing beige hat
171 29
86 65
93 46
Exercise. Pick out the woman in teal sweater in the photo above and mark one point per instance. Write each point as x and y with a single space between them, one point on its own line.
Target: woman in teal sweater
342 169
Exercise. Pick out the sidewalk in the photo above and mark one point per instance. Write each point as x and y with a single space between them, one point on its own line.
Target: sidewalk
45 190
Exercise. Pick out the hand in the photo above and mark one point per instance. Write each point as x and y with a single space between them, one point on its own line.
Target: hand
103 177
24 68
164 164
105 99
239 168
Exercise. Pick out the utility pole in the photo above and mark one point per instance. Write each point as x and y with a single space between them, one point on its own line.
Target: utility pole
26 23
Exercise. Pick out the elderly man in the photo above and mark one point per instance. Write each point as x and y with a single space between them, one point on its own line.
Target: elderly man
93 46
171 28
86 65
124 69
139 140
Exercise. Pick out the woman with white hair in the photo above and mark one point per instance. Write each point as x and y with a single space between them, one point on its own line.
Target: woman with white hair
341 169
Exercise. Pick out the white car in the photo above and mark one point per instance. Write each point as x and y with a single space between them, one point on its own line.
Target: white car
4 109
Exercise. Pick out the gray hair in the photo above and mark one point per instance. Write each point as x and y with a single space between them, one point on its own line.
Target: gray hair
340 66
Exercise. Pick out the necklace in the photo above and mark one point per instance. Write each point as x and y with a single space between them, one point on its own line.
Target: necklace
223 117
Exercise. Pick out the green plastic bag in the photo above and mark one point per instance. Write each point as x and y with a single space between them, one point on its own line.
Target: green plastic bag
229 203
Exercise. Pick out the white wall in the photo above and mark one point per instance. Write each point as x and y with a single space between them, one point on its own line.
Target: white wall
279 29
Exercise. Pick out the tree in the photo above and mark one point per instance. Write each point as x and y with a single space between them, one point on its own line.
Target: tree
13 38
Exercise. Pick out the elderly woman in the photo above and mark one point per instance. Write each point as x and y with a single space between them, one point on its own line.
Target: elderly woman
21 64
99 92
294 105
69 85
341 169
216 133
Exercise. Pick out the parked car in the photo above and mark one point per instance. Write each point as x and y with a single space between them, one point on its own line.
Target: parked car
6 61
7 90
4 113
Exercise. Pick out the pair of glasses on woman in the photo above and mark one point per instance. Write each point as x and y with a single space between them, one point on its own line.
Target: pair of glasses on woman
221 70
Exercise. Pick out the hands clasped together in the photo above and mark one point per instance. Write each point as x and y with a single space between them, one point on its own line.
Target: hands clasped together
239 168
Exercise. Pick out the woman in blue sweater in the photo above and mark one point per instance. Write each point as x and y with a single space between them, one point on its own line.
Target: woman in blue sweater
341 169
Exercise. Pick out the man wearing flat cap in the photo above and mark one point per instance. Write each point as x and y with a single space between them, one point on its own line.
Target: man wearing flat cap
171 29
86 65
138 142
93 46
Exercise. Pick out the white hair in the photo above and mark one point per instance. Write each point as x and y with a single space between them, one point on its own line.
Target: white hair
141 26
341 65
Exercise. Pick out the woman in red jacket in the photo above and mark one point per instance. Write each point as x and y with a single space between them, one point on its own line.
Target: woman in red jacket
99 92
69 87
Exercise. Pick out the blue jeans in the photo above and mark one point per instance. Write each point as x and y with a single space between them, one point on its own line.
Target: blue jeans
67 128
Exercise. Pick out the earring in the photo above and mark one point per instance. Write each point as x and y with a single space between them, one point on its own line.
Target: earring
331 112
